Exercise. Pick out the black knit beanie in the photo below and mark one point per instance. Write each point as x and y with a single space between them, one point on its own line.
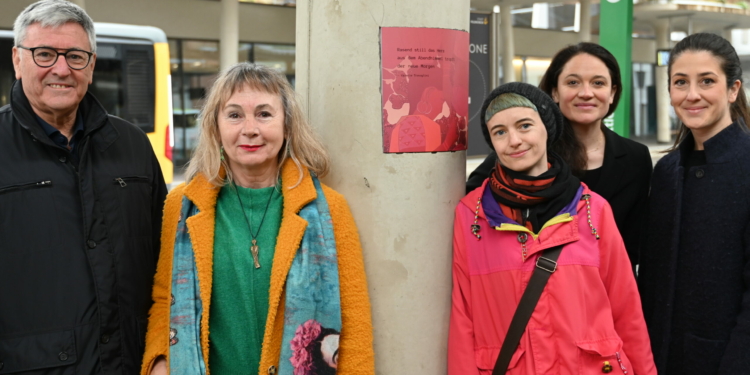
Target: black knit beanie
548 110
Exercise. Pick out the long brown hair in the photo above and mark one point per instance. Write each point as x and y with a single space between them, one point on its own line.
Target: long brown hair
301 144
568 146
730 66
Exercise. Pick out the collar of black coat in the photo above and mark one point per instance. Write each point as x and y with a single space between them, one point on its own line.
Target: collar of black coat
720 148
95 119
611 143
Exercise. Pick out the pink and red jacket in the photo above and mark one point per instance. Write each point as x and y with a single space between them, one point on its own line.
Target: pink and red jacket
588 319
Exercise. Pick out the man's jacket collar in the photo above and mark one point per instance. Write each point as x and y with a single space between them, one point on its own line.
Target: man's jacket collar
94 115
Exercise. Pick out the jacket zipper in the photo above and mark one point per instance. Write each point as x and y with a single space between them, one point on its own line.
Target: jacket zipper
25 186
622 366
123 183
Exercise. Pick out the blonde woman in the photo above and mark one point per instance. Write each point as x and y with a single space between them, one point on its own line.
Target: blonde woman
258 257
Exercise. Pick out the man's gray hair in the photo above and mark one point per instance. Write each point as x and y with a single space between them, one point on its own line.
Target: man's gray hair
53 13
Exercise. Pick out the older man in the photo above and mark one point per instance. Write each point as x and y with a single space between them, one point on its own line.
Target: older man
81 195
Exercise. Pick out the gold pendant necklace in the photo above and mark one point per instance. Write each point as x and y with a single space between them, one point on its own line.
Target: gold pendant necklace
254 248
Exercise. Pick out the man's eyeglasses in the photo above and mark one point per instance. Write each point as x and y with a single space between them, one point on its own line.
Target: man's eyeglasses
45 57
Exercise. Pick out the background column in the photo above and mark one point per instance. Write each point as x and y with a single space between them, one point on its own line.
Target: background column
495 47
661 80
584 16
727 32
403 203
229 40
506 35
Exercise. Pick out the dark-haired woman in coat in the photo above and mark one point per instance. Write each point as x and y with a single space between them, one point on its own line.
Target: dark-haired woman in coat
695 273
584 80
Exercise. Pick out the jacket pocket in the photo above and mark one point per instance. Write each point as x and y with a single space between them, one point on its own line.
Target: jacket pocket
487 357
134 193
702 356
26 210
602 356
53 351
24 186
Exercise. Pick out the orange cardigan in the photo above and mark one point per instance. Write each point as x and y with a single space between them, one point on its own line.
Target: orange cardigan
356 353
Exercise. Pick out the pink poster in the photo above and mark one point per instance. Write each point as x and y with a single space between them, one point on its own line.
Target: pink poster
425 73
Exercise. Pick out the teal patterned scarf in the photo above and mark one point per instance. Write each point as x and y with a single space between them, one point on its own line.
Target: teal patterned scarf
312 319
185 355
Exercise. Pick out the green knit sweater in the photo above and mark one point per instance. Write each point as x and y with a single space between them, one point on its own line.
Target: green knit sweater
239 299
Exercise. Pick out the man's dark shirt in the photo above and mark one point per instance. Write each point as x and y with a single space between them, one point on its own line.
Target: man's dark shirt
61 140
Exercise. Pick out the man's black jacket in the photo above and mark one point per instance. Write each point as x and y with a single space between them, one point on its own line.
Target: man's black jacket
78 243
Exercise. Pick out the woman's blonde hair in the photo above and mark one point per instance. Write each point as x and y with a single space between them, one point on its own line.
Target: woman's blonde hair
300 142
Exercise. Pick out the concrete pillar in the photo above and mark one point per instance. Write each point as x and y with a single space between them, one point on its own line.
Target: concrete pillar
584 35
229 40
506 26
403 204
661 80
80 3
727 32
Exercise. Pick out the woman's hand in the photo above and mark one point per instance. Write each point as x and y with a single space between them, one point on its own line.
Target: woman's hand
160 367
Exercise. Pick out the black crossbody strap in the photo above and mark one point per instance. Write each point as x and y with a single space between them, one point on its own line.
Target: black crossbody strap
546 265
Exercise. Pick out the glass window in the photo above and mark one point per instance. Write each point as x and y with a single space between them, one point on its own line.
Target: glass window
522 16
124 81
245 52
197 65
552 16
535 69
174 57
7 73
178 103
278 56
562 17
530 69
200 56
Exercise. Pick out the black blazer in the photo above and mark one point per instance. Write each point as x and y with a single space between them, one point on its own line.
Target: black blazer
624 183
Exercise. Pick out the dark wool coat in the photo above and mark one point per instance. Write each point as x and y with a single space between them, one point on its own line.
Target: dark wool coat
624 183
695 270
78 244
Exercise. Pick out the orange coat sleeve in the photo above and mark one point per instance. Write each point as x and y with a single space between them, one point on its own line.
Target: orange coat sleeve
355 349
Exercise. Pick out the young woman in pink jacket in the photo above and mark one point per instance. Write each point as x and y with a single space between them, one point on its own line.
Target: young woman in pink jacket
588 319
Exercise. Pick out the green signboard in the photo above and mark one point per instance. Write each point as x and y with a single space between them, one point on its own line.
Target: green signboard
615 34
